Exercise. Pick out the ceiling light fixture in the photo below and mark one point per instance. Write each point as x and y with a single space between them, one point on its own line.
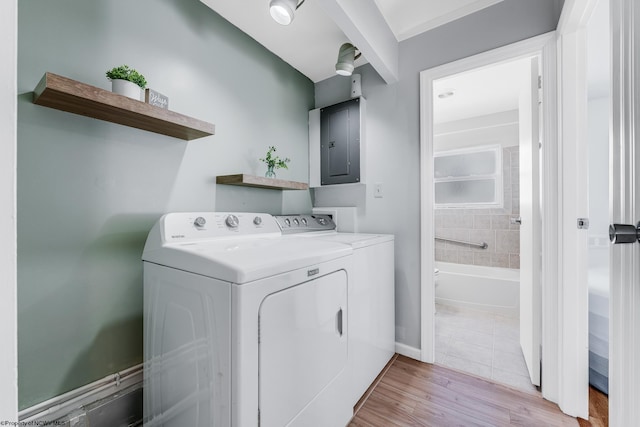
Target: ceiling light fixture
346 58
282 11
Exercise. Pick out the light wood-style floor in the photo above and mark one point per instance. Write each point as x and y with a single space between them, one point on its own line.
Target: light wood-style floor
598 410
412 393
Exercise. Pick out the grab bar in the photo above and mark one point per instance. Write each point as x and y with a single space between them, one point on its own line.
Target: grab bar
482 245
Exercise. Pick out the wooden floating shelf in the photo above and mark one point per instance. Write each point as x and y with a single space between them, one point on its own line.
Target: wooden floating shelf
261 182
65 94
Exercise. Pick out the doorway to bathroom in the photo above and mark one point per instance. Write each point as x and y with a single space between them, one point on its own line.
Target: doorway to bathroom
481 118
484 121
484 131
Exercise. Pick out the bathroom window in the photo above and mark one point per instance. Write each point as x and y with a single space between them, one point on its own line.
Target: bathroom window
469 178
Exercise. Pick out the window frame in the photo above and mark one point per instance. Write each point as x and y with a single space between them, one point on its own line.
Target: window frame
497 177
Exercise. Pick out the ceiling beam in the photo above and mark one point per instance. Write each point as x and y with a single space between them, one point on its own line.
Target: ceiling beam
363 23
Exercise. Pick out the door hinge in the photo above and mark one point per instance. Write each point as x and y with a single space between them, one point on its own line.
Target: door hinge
583 223
539 82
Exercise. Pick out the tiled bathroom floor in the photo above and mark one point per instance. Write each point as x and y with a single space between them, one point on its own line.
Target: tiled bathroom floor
482 344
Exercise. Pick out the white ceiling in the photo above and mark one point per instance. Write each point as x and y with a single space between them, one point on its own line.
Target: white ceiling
408 18
480 92
310 44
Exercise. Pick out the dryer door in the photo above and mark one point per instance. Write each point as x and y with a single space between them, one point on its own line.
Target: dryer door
303 347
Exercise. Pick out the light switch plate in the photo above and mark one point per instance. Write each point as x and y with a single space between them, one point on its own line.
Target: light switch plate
377 190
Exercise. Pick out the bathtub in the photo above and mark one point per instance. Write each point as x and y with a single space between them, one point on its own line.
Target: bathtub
490 289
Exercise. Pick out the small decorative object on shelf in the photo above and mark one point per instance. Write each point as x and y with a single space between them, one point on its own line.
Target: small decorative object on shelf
152 97
274 162
127 81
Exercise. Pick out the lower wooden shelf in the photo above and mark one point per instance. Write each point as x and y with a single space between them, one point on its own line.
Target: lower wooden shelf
260 182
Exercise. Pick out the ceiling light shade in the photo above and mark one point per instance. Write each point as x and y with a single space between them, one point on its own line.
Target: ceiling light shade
346 58
282 11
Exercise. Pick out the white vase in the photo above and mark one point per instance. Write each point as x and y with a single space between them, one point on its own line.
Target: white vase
126 88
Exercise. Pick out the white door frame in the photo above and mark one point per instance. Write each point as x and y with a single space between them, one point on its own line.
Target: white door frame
8 284
529 121
624 305
573 292
544 46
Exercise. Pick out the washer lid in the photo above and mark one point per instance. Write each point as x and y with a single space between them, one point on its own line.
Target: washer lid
246 259
356 240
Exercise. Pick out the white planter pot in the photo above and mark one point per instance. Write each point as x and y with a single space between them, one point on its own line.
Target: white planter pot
126 88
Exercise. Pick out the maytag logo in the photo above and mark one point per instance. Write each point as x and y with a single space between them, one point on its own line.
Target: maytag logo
178 236
313 272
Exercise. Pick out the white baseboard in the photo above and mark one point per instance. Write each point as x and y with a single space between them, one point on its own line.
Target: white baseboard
61 406
408 351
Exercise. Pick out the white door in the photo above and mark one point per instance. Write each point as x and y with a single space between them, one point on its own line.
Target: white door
531 227
624 327
302 348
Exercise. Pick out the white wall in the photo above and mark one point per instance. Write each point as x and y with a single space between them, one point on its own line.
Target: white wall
499 128
8 319
598 110
598 126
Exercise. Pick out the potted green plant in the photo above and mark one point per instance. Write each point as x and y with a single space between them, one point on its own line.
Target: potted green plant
274 162
127 81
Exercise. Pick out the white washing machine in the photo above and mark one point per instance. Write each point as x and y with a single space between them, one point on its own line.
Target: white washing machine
243 327
371 292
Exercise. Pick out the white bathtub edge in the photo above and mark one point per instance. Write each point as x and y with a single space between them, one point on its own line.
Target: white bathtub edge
480 288
502 273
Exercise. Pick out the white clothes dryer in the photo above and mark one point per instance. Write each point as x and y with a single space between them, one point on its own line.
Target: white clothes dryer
243 327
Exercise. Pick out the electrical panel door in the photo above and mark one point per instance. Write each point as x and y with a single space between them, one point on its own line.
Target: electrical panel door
340 143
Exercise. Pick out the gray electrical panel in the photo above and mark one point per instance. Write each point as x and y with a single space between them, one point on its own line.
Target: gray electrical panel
340 143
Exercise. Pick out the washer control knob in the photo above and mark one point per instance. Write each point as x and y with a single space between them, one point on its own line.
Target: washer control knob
288 222
199 222
257 220
232 221
296 222
322 221
304 222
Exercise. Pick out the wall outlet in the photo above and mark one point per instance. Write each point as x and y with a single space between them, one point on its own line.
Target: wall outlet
377 190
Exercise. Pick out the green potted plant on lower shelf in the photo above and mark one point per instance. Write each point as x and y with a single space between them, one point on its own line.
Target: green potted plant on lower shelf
274 162
127 81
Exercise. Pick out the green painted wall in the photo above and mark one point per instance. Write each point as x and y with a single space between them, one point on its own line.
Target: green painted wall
89 191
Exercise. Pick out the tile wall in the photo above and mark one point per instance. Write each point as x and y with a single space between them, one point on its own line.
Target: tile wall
485 225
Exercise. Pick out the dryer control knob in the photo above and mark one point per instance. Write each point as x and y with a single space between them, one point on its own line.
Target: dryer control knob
257 220
200 222
232 221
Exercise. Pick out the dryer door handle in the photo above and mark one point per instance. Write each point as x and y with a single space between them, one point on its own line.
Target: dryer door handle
339 321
